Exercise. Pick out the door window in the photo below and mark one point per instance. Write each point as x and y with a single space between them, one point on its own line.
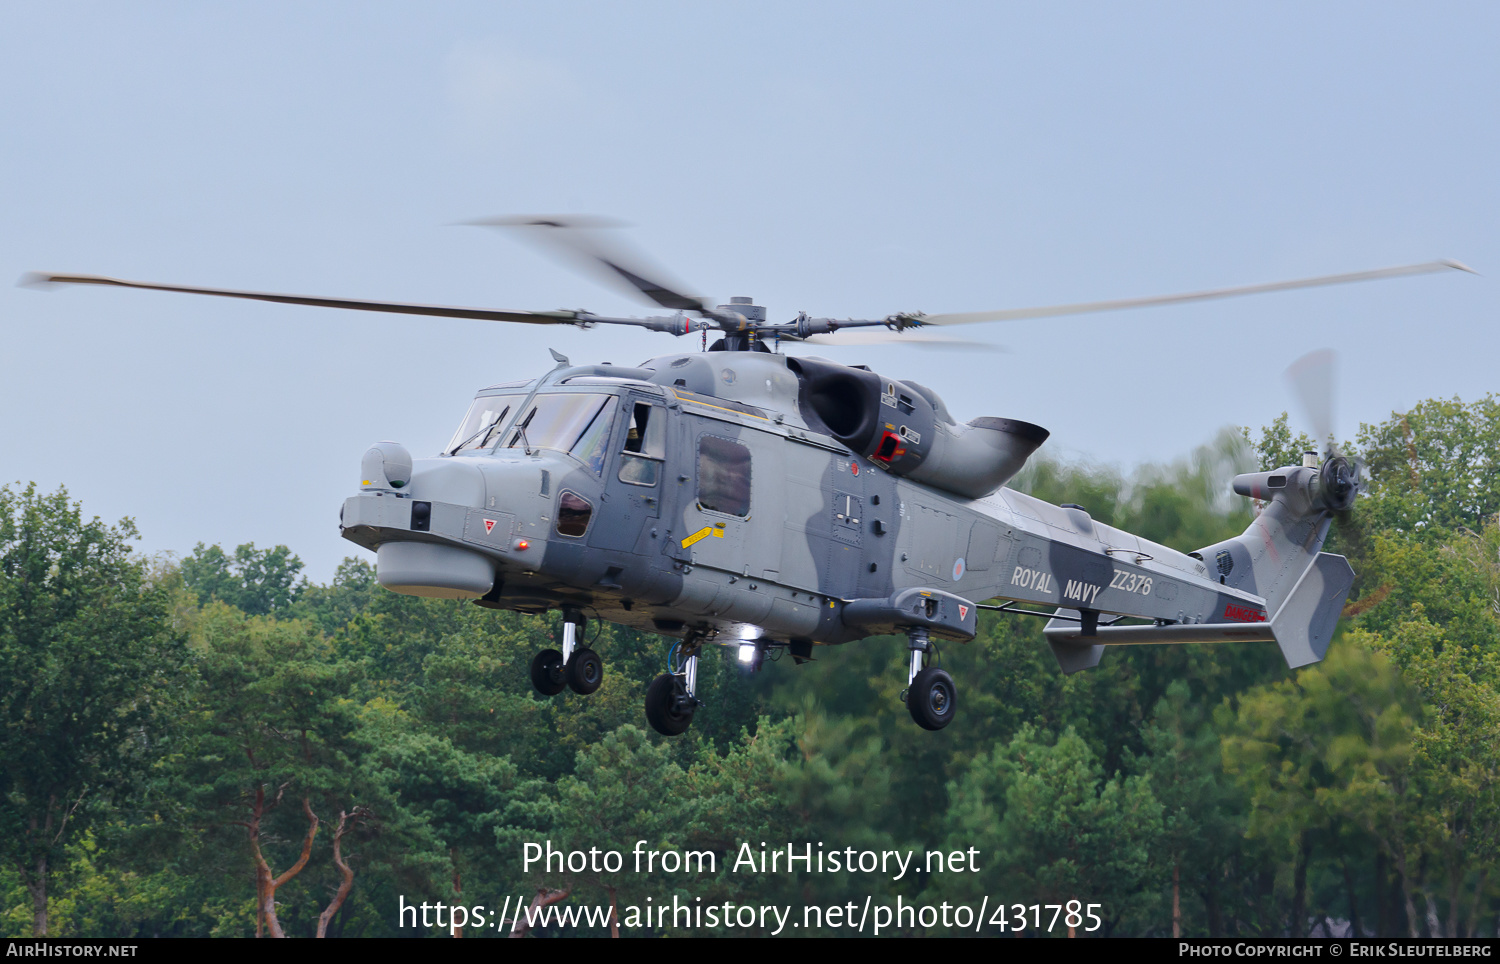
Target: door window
645 445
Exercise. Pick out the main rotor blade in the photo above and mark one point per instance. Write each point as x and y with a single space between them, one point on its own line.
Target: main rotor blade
897 338
563 317
578 239
1312 379
1086 307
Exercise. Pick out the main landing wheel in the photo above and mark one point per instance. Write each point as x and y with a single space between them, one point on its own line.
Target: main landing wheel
932 699
585 671
547 672
668 708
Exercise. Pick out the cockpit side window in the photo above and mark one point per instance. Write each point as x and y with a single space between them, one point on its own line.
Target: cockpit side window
592 447
645 445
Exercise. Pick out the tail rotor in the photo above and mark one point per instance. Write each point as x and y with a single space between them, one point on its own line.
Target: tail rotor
1313 379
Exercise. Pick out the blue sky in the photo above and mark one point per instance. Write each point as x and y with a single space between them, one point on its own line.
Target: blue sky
844 159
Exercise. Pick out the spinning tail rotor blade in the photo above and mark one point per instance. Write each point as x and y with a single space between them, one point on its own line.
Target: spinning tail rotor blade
580 241
1087 307
1312 379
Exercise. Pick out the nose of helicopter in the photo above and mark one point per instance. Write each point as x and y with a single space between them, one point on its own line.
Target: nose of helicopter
453 481
415 515
443 527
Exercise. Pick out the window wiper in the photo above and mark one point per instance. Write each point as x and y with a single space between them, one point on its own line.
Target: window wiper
521 433
482 429
487 426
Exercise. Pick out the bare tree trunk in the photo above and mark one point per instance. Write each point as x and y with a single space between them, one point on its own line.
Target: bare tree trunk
1299 892
1210 895
1354 929
543 898
1433 924
1455 888
346 882
1385 898
1411 907
1176 900
1473 925
267 885
614 914
38 887
458 888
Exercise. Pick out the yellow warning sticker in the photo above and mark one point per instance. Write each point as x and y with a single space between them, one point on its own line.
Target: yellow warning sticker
701 533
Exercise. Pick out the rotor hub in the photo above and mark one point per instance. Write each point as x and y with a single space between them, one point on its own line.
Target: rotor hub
746 308
1339 482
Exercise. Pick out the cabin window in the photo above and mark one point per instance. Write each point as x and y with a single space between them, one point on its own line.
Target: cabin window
723 476
645 445
573 514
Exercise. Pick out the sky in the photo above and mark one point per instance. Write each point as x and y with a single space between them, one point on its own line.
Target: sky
843 159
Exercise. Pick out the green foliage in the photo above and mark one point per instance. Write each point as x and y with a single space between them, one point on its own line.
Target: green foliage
1206 789
255 581
1277 447
1055 828
1434 466
1201 809
86 656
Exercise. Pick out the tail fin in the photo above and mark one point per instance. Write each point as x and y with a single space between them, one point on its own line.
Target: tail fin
1303 624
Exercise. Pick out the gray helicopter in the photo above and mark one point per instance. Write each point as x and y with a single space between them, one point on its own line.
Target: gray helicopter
771 503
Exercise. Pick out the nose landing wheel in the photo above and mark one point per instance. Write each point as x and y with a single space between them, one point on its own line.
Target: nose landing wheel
577 668
547 672
585 672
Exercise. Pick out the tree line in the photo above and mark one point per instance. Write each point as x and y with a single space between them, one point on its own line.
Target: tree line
215 746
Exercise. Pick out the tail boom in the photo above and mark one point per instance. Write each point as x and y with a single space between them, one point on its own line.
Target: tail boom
1277 583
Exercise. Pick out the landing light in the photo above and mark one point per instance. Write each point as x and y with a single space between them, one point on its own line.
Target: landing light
747 653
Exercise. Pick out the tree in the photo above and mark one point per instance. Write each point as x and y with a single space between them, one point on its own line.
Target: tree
268 743
1330 747
1455 762
1182 760
86 650
1435 464
1054 828
256 581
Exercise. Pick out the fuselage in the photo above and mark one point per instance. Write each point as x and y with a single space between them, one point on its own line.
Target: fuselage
696 493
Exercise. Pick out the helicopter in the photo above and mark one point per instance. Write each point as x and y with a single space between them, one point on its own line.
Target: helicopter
770 503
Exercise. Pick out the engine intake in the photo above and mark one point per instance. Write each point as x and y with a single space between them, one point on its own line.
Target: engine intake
906 428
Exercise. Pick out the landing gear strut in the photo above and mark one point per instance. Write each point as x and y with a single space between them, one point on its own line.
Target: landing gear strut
931 697
576 667
671 699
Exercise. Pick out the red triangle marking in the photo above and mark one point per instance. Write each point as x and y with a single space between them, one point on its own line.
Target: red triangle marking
489 525
963 612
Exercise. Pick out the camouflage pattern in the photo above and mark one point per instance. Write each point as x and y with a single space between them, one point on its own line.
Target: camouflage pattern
831 545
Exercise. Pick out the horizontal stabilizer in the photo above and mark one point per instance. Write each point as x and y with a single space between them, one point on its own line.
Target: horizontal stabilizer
1071 634
1302 626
